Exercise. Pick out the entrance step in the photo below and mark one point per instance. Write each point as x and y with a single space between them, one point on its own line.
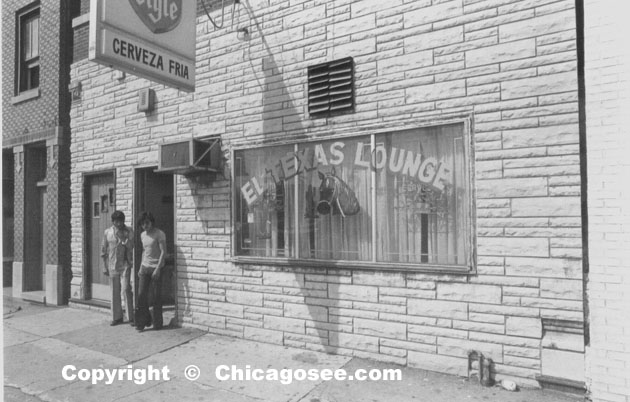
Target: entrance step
561 384
38 296
92 304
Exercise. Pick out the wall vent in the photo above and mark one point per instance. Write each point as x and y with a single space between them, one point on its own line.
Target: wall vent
331 88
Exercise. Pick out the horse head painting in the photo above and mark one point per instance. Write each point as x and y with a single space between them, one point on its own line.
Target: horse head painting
336 196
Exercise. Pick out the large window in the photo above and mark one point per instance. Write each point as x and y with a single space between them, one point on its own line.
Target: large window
397 199
28 49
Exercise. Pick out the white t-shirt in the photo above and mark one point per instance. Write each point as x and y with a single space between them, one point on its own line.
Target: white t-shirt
151 245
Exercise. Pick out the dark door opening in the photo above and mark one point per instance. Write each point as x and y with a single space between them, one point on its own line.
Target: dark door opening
8 198
34 271
155 193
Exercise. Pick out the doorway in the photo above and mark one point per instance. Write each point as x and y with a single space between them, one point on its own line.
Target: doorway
154 192
34 271
8 198
99 205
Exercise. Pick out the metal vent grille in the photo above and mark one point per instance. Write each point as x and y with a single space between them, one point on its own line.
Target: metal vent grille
331 88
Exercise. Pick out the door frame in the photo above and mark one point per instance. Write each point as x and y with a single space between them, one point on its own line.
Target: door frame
86 207
42 193
136 214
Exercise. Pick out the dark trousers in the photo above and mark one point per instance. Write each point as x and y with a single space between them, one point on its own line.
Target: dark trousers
146 286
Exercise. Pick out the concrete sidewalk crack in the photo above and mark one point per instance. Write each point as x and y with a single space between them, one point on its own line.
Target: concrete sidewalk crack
24 391
167 349
321 382
137 392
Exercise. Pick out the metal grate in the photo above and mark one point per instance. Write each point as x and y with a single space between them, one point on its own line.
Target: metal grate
331 88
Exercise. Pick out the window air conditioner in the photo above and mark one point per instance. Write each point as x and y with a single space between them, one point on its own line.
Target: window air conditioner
190 157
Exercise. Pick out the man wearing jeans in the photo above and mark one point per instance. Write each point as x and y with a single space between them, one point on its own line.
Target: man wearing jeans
150 276
117 254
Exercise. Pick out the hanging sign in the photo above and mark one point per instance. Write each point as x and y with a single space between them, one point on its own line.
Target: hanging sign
153 39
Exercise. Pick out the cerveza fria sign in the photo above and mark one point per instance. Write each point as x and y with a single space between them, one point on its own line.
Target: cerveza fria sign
154 39
148 57
427 170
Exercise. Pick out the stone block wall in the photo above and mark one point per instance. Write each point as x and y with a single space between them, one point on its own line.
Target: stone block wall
509 66
607 78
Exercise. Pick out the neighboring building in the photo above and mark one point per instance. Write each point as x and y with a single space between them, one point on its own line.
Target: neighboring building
445 135
607 78
37 53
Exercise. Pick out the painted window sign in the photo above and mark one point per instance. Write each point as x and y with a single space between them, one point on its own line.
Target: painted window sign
400 197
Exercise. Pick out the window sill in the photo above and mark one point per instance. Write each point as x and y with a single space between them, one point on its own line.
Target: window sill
365 265
26 95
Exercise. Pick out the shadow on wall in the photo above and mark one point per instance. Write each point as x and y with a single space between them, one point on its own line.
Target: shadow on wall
277 106
212 202
327 326
184 294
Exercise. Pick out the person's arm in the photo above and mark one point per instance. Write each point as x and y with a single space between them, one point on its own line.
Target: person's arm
162 245
129 249
105 254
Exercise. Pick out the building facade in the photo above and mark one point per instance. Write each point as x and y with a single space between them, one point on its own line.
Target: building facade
37 51
607 79
397 180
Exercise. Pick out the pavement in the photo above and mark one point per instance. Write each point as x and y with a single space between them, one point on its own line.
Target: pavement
39 341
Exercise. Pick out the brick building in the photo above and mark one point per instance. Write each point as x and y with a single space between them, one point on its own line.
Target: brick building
607 79
37 51
400 180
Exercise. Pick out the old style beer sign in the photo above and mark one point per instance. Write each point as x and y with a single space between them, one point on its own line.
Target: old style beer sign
154 39
159 16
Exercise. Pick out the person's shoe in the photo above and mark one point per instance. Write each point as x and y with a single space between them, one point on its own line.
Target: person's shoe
132 323
157 328
140 328
116 322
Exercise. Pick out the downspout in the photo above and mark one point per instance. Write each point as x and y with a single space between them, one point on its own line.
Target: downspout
579 19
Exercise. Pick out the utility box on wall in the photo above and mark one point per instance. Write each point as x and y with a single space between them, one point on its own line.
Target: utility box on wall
190 157
146 100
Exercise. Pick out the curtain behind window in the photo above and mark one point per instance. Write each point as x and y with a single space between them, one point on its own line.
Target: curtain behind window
419 220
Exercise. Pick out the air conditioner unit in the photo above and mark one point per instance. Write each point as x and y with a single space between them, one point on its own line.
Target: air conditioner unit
190 157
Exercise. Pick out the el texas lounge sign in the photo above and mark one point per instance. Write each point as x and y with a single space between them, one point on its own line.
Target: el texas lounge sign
153 39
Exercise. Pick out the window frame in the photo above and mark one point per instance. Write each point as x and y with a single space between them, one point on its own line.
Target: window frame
471 236
22 64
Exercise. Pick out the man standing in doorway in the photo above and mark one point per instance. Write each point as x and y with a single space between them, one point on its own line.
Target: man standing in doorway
150 276
117 254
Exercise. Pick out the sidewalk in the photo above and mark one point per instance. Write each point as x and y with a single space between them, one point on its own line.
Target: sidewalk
39 341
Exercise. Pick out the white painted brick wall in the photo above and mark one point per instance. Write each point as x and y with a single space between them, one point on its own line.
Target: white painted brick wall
608 140
510 65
